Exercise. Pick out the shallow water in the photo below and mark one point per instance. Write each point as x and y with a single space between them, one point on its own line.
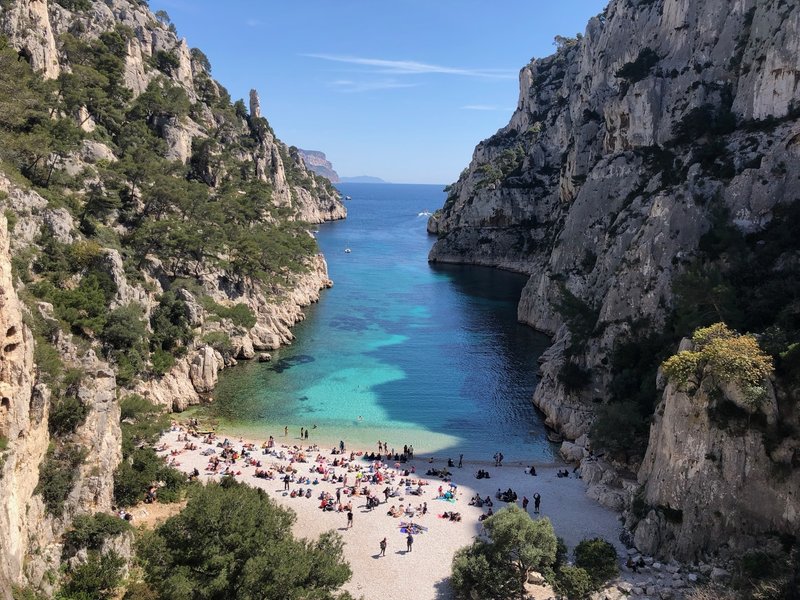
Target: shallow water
399 350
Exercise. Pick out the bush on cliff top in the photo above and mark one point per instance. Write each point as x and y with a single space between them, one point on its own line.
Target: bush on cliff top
730 358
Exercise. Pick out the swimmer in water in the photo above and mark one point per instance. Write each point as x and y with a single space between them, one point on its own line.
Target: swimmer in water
360 418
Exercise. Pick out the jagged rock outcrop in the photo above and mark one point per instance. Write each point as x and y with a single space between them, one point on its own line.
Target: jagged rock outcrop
598 183
319 163
716 476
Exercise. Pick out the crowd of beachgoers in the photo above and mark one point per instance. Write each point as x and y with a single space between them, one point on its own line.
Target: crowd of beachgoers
387 496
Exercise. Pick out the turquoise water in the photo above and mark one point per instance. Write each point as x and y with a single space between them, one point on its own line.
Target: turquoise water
399 350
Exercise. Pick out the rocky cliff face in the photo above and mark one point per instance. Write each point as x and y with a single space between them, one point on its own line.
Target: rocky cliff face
625 147
30 536
716 475
598 183
319 163
23 425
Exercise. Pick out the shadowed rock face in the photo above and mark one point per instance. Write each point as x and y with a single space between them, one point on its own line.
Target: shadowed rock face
622 146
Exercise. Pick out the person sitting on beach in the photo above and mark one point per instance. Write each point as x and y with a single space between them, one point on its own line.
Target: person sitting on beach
392 512
532 471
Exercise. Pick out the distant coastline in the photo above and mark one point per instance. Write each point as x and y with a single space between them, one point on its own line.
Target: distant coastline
362 179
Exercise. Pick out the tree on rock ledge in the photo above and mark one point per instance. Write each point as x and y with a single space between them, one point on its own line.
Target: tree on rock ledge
233 542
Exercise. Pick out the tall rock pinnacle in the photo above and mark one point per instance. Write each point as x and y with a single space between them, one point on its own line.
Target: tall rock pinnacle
255 105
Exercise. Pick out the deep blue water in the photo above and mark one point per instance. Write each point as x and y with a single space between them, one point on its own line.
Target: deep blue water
399 350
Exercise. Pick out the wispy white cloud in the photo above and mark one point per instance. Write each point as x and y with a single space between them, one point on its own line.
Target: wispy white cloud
410 67
484 107
350 86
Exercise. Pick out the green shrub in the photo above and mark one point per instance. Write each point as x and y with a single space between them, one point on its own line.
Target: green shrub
221 342
57 475
133 406
599 559
240 314
729 357
162 361
90 531
124 328
210 551
573 583
96 579
66 415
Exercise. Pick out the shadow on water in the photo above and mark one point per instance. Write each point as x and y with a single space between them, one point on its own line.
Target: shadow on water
283 364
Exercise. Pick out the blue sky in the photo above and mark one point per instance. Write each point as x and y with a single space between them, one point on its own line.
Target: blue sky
398 89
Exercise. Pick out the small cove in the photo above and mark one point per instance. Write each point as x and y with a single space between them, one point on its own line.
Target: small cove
399 350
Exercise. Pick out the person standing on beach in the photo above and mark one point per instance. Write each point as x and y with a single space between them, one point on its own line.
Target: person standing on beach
500 458
383 547
286 431
338 495
286 480
301 433
525 503
460 461
409 542
349 518
537 500
306 433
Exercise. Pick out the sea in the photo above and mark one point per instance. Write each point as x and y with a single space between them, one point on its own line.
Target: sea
399 350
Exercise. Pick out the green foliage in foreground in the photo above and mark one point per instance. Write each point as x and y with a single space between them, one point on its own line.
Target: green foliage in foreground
599 559
572 583
232 541
96 579
498 569
90 531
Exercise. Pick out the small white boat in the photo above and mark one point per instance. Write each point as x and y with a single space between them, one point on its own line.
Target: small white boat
424 213
348 198
347 250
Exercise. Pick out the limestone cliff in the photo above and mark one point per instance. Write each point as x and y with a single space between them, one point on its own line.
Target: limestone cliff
716 475
666 122
319 163
599 182
202 141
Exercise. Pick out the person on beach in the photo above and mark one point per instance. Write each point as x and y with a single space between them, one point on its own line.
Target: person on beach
286 431
460 461
286 480
383 547
306 433
409 542
537 500
349 518
301 432
525 503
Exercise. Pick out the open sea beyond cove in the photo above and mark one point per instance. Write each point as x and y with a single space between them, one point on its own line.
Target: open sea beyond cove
398 350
